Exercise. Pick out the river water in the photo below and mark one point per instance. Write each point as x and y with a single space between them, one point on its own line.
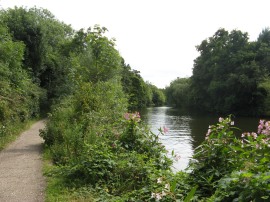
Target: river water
187 131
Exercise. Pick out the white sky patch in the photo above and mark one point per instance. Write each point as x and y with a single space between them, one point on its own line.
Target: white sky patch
158 37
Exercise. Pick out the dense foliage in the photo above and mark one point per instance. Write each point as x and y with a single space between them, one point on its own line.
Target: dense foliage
227 168
99 147
229 76
178 93
102 152
81 79
140 94
19 96
43 60
43 37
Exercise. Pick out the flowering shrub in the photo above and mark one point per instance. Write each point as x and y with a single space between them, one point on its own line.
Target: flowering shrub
118 158
96 147
166 190
137 137
228 168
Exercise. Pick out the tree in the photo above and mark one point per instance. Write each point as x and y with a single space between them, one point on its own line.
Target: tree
178 93
157 95
19 97
262 48
44 37
138 93
106 60
226 76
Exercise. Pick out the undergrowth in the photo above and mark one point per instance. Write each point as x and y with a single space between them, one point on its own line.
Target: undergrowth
101 153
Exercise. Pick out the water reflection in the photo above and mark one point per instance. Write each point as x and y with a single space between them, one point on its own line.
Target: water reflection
178 137
186 131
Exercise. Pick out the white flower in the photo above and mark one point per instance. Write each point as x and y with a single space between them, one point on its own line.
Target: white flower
163 193
220 126
158 196
208 132
159 180
220 119
167 186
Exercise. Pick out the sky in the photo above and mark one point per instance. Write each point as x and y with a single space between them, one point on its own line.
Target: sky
158 37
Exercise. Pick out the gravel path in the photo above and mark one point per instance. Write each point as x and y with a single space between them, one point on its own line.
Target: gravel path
21 177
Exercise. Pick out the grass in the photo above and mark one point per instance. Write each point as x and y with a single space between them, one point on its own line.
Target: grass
57 189
14 131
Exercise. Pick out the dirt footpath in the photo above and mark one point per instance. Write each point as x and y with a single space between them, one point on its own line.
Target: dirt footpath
21 177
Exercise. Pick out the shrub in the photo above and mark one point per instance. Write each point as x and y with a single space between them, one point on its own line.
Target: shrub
227 168
95 144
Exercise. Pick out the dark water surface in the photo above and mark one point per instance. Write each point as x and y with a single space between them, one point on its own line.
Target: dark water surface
187 131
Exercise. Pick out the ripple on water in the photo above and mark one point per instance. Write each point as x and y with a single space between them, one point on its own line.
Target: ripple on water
187 131
178 138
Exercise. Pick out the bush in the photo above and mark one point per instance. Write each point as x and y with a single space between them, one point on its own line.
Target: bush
95 143
20 98
227 168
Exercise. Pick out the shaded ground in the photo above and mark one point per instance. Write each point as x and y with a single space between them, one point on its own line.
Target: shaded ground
21 177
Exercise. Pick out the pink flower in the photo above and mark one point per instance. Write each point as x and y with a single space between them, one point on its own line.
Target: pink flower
254 135
177 157
165 129
262 122
208 132
264 132
137 114
126 116
220 119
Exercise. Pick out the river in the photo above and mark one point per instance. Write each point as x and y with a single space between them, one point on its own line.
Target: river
187 131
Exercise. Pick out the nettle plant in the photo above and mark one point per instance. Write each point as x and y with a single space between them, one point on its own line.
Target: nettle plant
227 167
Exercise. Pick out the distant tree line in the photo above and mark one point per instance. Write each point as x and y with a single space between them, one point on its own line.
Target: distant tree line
43 60
231 75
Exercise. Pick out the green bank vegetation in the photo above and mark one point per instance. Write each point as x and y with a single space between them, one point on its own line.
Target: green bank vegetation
230 76
97 147
42 60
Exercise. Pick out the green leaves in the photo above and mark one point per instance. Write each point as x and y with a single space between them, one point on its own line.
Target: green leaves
190 194
226 76
178 93
227 168
225 55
